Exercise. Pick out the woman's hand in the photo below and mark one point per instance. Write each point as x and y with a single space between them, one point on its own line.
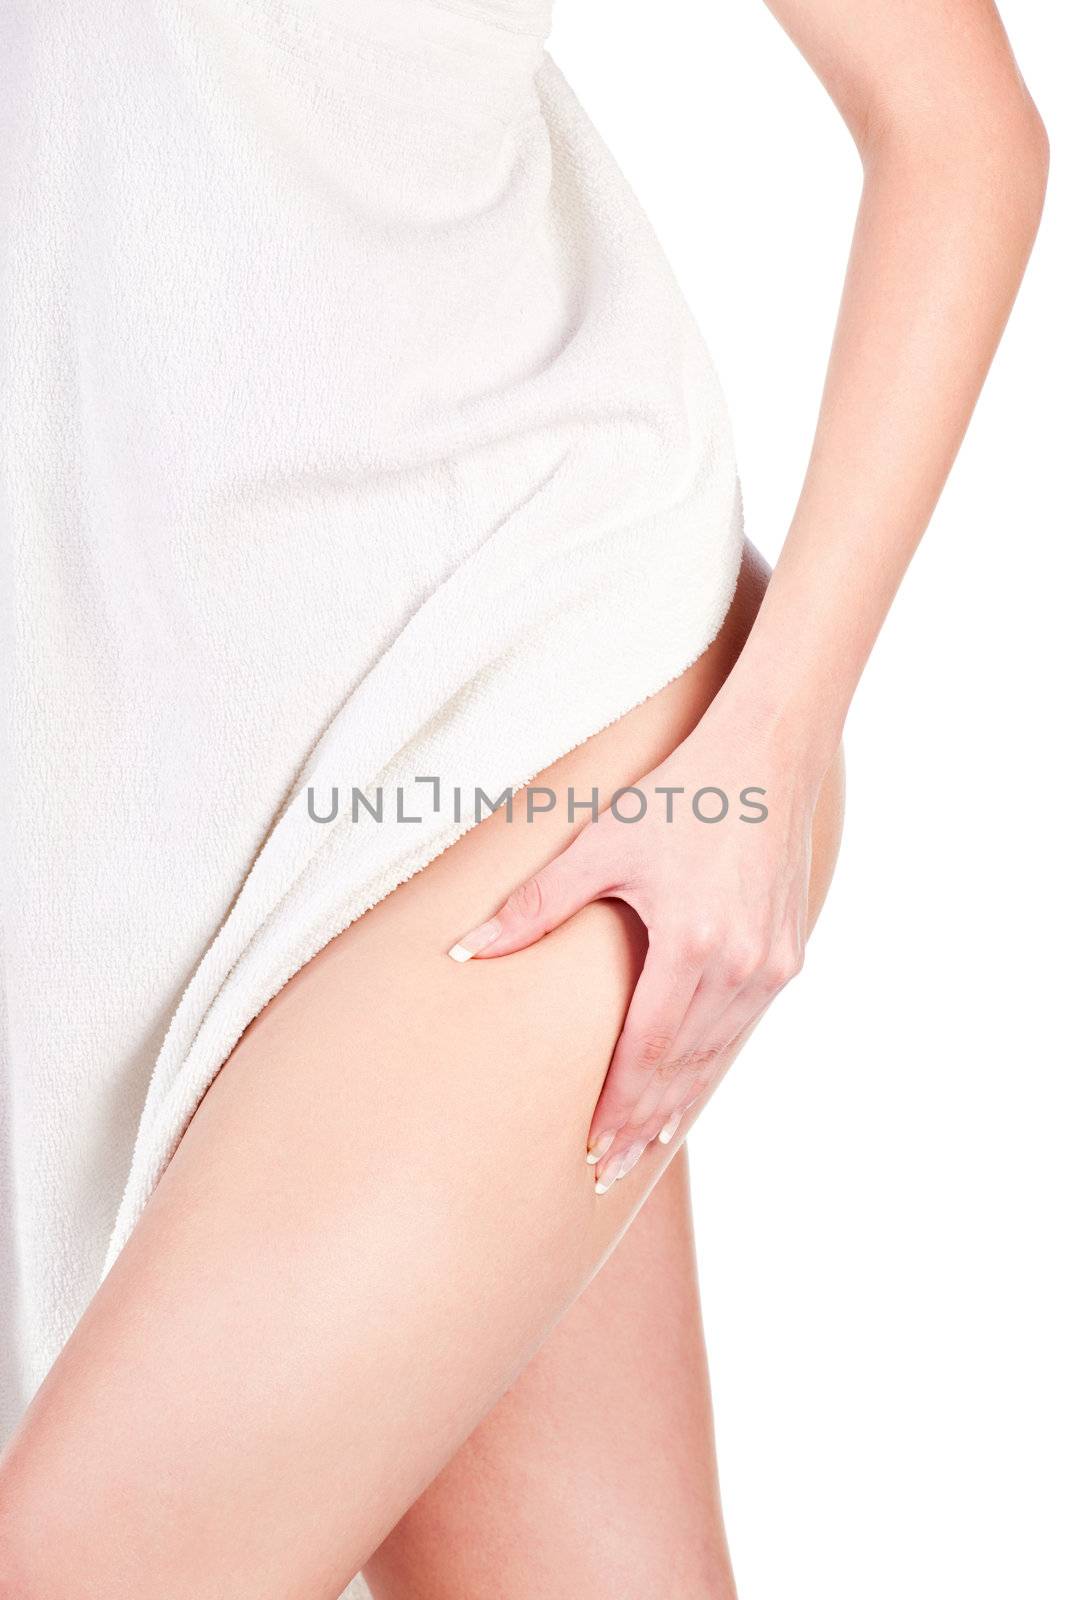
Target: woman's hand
955 161
724 902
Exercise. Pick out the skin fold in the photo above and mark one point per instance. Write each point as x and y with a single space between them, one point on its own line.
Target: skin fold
382 1212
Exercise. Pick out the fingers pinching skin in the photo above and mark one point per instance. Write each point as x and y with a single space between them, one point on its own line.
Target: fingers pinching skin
703 1049
731 994
714 1018
701 986
642 1056
672 1047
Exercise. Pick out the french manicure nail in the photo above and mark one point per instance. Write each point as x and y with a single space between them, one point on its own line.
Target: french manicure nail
670 1128
474 942
609 1174
600 1146
618 1167
630 1159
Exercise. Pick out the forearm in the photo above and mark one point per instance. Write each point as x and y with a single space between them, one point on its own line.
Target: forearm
945 226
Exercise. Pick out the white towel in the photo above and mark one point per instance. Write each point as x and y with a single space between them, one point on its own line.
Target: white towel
353 430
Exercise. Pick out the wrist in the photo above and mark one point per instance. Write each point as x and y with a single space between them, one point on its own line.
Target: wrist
793 722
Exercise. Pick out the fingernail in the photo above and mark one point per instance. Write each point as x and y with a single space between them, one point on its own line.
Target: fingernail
600 1147
670 1128
630 1159
618 1167
609 1174
475 941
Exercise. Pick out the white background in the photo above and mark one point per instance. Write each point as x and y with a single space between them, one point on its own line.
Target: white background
880 1182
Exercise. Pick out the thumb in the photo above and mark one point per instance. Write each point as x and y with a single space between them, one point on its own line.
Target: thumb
532 910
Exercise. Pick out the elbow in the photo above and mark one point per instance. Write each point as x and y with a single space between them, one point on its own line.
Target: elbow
1026 151
1036 153
994 143
1024 172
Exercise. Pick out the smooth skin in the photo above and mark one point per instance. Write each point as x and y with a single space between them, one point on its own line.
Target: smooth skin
377 1216
596 1473
380 1213
597 1470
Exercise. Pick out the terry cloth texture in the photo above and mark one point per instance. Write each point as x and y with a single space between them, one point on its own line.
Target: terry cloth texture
353 429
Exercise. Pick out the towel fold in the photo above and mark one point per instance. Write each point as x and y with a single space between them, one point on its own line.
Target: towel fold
352 429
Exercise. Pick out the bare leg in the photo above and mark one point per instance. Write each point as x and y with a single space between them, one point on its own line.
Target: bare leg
344 1267
596 1472
598 1467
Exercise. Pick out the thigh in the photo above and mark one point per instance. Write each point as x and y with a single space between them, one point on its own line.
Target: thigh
345 1266
596 1472
598 1467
